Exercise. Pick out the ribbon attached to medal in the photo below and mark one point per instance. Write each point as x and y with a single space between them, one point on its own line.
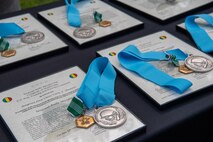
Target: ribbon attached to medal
134 60
97 88
199 35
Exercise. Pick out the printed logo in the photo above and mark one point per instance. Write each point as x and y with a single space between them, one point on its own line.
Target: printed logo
112 54
73 75
7 100
163 37
50 14
24 19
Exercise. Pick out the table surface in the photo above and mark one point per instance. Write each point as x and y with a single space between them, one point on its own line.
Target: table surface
159 121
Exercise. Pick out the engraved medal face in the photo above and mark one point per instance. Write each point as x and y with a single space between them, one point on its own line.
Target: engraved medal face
199 63
110 117
8 53
32 37
84 121
84 32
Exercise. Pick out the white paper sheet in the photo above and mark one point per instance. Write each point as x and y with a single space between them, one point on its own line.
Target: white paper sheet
23 50
162 9
120 21
37 112
154 43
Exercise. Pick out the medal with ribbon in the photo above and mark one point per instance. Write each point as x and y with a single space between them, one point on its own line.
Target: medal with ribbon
97 89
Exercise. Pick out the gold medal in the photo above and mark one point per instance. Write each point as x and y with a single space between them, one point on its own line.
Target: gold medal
105 23
84 121
184 69
8 53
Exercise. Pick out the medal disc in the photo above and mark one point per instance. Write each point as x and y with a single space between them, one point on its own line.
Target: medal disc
84 121
8 53
32 37
105 23
110 117
84 32
184 69
199 63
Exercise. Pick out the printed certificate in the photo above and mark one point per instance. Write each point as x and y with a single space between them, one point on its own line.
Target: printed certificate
161 41
25 50
120 21
37 112
165 9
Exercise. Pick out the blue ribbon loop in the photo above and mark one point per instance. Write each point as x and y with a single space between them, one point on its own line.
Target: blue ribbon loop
73 14
10 29
199 35
132 59
97 89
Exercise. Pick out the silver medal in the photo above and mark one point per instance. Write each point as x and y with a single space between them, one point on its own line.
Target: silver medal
84 32
199 63
32 37
110 117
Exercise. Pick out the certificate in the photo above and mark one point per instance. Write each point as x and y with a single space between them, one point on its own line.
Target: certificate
202 23
120 21
160 41
37 112
165 9
25 50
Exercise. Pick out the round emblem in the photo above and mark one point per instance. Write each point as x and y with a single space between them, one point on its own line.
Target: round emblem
110 117
32 37
84 32
199 63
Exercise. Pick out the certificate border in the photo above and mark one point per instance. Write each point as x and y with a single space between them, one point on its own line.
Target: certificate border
99 39
41 56
128 135
162 21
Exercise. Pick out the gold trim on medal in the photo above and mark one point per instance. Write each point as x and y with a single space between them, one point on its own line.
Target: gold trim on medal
8 53
84 121
184 69
105 23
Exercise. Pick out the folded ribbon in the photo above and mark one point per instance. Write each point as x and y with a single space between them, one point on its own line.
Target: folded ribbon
199 35
97 89
73 14
10 29
132 59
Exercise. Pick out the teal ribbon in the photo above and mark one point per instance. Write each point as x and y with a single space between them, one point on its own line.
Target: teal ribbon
134 60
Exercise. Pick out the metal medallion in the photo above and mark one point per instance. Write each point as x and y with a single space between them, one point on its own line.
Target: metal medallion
184 69
105 23
199 63
84 32
32 37
84 121
110 117
8 53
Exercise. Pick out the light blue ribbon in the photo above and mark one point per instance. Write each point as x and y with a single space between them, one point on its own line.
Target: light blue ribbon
73 14
134 60
97 89
199 35
10 29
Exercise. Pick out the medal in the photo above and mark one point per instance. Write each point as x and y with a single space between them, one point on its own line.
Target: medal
199 63
84 32
84 121
8 53
105 23
110 117
97 17
32 37
172 59
184 69
4 45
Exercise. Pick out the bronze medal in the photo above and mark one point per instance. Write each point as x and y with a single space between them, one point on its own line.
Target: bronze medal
184 69
105 23
8 53
84 121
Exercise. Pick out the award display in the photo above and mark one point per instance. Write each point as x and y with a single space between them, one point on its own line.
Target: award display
165 9
161 65
97 20
37 112
23 37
